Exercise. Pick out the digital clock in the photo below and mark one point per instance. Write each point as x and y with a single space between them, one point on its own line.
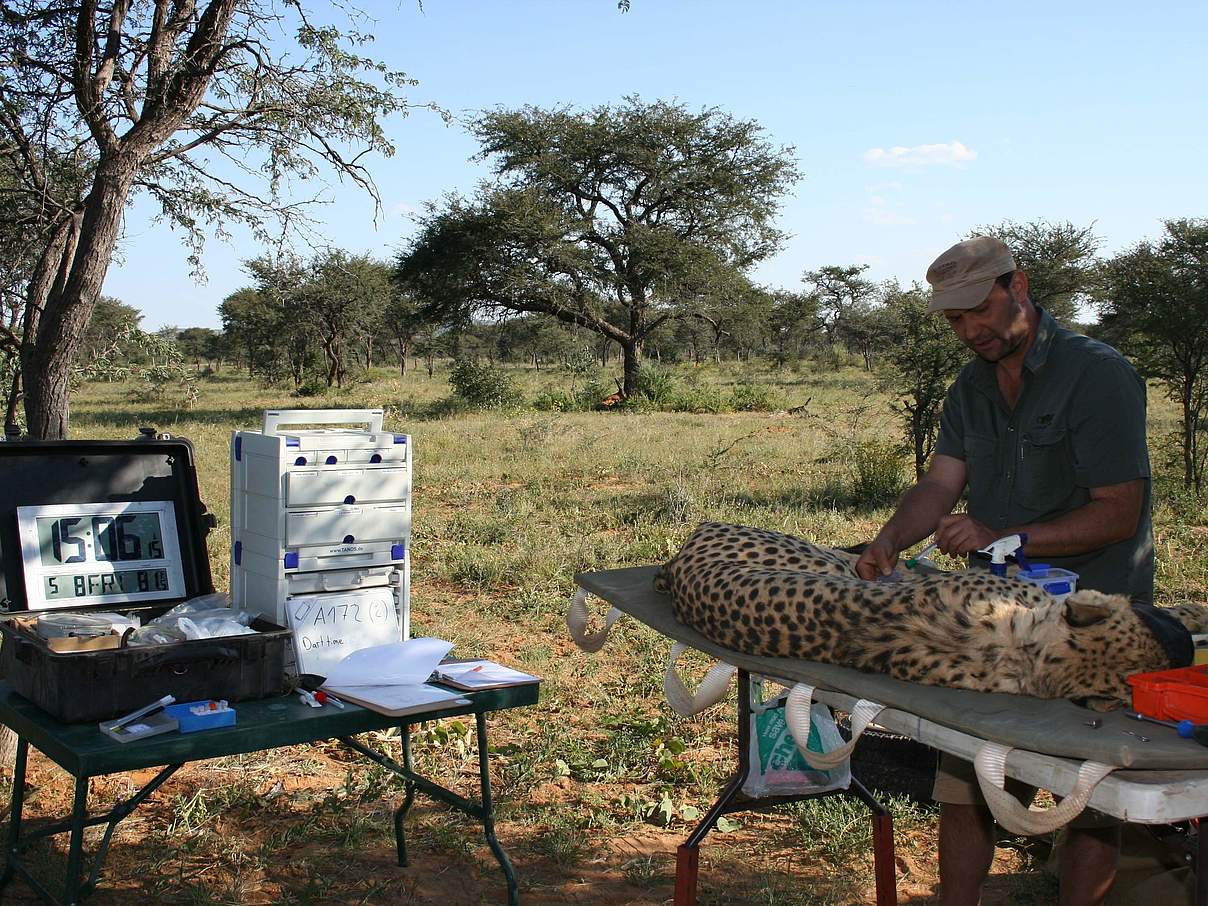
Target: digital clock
99 553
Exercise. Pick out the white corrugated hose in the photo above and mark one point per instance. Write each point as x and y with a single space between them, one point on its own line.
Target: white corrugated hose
711 690
797 716
991 767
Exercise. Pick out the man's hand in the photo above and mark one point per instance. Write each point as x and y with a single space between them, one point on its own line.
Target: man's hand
878 559
960 534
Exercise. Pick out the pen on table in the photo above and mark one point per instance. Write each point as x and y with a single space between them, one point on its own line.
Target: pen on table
477 669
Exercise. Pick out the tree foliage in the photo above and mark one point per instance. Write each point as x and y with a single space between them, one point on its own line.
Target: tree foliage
1154 305
210 109
840 294
918 366
613 219
1060 261
300 313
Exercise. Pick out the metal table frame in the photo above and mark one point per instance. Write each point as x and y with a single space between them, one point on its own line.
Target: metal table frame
732 799
84 752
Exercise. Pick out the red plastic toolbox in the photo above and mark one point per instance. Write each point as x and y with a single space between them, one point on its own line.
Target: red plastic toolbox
1180 694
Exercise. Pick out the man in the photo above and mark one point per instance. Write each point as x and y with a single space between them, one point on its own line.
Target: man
1046 429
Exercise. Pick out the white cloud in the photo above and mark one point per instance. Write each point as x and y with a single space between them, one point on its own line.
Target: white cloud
881 212
953 152
880 216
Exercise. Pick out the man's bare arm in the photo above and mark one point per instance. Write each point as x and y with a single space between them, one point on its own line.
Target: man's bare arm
1111 515
917 515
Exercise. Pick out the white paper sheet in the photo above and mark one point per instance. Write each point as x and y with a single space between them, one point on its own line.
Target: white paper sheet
394 664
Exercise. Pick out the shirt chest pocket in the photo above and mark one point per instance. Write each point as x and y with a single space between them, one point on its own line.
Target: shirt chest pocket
983 475
1046 469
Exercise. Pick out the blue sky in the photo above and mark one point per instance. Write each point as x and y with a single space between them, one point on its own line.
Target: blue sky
912 122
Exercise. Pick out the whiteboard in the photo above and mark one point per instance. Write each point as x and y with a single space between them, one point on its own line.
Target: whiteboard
329 626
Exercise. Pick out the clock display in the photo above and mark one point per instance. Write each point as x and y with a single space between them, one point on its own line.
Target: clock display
123 582
103 539
99 553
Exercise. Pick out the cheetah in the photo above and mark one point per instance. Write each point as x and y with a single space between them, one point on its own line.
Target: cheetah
766 593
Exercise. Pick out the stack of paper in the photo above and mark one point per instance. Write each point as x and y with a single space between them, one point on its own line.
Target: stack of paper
390 679
472 675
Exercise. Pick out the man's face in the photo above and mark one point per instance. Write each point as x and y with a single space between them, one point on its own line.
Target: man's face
994 329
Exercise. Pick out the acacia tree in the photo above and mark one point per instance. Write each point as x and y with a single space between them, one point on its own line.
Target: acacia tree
613 219
841 295
1154 306
917 367
203 106
343 297
1060 261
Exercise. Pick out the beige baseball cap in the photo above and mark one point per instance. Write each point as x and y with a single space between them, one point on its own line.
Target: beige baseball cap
963 276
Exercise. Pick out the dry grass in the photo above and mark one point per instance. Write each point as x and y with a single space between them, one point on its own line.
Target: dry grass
507 508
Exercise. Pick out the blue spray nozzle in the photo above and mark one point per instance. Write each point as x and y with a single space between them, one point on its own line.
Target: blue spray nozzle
1007 546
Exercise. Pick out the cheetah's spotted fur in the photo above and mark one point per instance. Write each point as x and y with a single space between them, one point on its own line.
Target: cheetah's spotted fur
765 593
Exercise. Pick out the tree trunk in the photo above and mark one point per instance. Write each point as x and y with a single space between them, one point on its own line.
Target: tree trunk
14 398
632 352
1189 427
70 287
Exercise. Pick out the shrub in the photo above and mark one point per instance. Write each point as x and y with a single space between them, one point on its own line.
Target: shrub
483 386
552 399
657 385
314 386
879 467
698 397
748 397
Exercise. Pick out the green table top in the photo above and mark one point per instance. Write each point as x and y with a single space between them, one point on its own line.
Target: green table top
84 751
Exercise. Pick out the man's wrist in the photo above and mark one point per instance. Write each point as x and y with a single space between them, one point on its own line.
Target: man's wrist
888 536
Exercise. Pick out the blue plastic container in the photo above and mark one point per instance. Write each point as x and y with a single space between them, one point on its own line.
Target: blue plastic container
1058 582
206 720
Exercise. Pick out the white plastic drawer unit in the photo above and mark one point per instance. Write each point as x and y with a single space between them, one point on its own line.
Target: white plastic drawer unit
392 454
313 487
309 528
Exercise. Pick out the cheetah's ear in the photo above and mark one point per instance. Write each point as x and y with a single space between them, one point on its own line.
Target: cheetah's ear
1087 609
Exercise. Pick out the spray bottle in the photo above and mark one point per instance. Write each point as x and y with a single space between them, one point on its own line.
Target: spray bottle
1005 547
922 559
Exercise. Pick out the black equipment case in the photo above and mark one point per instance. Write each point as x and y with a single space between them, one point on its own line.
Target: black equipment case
85 686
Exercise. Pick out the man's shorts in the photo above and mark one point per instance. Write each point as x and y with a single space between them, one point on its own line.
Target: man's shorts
956 784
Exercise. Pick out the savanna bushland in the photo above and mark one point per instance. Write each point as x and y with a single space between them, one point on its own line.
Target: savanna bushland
599 783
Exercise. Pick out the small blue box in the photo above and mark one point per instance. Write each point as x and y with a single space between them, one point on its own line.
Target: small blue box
207 720
1060 583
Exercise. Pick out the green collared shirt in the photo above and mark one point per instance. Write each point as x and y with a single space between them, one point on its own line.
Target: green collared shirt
1079 424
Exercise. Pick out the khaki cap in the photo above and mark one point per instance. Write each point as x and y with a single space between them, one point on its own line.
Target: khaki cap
963 276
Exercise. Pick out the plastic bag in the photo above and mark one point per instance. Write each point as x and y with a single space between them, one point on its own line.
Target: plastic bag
203 617
776 767
216 601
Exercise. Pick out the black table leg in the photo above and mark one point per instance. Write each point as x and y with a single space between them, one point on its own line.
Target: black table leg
488 811
75 846
17 803
400 813
482 810
1201 862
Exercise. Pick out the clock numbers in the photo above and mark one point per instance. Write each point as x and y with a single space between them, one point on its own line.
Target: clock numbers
60 536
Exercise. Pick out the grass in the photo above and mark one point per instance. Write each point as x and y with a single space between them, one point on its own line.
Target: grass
508 507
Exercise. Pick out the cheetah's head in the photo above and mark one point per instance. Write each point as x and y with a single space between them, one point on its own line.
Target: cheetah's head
1084 647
